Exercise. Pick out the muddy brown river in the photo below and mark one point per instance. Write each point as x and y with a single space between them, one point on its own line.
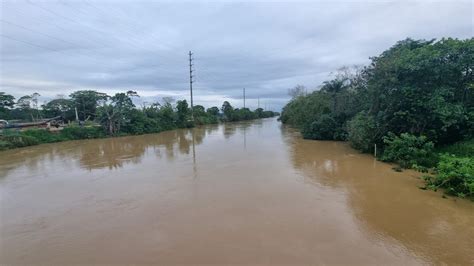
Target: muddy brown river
250 192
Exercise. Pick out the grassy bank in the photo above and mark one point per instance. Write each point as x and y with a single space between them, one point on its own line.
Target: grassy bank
16 139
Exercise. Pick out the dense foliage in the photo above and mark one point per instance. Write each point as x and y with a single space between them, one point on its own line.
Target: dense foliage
101 115
414 97
408 150
455 175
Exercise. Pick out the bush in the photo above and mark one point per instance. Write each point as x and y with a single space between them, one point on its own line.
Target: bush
18 141
455 175
4 145
42 135
322 128
362 132
408 150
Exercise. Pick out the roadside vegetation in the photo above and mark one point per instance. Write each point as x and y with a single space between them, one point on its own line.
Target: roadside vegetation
414 102
100 115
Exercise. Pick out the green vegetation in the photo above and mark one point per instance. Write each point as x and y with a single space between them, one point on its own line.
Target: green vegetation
230 114
461 148
415 102
101 115
16 139
362 131
408 150
455 175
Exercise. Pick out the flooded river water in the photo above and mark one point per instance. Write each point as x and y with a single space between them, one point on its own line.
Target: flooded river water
250 192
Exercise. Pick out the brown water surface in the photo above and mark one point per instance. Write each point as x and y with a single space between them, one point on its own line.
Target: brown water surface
251 192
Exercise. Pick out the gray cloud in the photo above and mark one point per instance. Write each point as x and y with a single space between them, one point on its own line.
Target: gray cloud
56 47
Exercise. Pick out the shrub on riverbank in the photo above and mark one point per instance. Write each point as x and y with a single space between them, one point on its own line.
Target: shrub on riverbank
76 132
324 128
17 139
455 175
362 132
408 151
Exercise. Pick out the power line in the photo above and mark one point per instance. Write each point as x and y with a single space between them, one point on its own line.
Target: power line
118 17
32 44
37 32
78 22
53 37
49 22
54 13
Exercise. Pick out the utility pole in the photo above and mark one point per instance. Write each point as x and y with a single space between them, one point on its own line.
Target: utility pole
244 97
258 102
191 82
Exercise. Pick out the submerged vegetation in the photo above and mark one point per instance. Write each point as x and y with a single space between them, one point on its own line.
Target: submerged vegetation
414 102
100 115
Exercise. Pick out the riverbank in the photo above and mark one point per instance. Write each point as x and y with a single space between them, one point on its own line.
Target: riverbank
448 167
405 106
11 139
109 116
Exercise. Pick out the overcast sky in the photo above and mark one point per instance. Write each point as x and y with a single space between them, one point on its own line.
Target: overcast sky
56 47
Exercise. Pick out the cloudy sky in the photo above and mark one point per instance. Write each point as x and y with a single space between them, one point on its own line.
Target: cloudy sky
59 46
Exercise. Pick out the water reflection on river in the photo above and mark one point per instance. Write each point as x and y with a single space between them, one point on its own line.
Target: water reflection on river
251 192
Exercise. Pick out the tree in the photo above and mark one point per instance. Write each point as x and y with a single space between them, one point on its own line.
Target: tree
116 112
213 111
199 110
362 131
24 102
23 109
228 111
6 101
422 87
418 87
183 113
322 128
259 112
86 102
334 87
59 107
298 90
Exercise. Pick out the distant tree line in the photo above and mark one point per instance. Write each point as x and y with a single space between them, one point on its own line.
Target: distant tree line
413 100
101 115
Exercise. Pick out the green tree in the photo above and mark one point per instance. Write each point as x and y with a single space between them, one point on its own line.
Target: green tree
334 87
86 102
363 133
183 113
7 102
423 87
213 111
59 107
228 111
116 112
